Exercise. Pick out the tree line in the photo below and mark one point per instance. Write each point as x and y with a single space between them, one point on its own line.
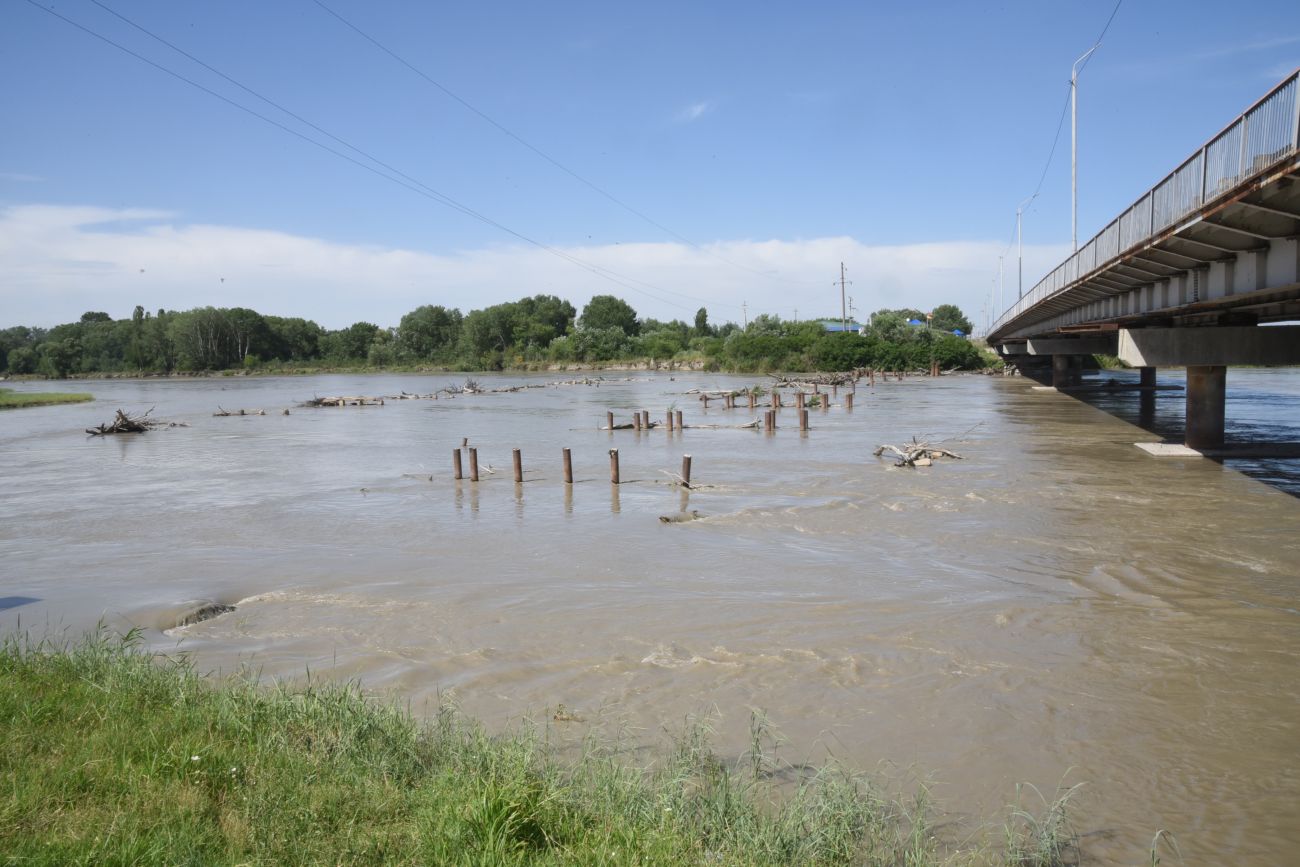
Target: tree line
535 330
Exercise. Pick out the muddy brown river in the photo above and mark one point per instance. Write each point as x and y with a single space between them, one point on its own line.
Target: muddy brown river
1057 606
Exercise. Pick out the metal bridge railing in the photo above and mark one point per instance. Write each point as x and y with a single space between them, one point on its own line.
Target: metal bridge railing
1264 135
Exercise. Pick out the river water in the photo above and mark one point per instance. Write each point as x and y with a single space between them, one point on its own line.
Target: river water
1057 606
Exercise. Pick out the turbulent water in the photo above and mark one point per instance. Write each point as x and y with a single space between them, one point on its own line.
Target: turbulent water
1055 607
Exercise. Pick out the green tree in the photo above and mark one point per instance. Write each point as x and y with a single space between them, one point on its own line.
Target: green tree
23 359
58 358
351 343
427 332
606 311
948 317
293 338
702 328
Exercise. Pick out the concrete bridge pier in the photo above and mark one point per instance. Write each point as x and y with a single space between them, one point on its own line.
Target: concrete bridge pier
1205 353
1066 370
1206 395
1147 397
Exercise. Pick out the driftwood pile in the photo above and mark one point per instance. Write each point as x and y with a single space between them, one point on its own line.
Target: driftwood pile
344 401
915 454
229 412
843 378
124 423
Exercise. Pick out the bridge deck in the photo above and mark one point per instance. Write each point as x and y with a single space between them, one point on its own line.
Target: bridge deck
1216 242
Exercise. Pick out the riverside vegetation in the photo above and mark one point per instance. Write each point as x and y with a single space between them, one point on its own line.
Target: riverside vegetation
533 332
114 755
10 399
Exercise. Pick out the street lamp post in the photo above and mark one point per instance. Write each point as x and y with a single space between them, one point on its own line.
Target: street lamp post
1020 243
1074 147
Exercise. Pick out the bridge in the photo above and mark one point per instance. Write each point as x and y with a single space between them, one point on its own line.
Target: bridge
1191 275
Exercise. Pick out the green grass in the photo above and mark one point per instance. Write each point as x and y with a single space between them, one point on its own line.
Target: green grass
116 756
10 399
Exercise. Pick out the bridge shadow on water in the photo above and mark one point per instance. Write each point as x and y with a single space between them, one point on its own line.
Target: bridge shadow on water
1262 406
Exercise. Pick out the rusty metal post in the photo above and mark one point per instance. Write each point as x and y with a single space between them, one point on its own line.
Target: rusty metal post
473 465
568 467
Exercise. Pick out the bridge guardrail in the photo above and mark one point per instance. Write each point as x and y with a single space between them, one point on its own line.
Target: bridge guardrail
1262 136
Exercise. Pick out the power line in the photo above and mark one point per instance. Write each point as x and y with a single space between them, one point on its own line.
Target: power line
538 151
397 177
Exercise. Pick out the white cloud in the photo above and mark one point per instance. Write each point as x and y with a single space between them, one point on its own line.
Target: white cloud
694 112
58 262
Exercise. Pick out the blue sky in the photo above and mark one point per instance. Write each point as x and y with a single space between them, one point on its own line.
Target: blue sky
765 144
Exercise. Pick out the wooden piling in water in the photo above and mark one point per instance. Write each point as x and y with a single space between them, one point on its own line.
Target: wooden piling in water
686 470
519 466
776 398
679 419
751 399
670 421
848 401
455 464
568 467
636 421
798 400
473 465
803 419
609 421
613 466
645 419
873 377
826 402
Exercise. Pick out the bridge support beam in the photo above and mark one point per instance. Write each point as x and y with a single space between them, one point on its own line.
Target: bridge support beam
1180 347
1206 390
1072 345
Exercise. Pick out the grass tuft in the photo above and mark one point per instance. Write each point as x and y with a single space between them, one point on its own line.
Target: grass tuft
117 755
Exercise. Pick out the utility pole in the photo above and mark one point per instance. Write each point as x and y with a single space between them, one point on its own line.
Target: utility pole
744 312
796 314
844 313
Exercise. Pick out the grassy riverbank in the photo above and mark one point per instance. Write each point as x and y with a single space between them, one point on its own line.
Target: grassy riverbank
114 756
10 399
